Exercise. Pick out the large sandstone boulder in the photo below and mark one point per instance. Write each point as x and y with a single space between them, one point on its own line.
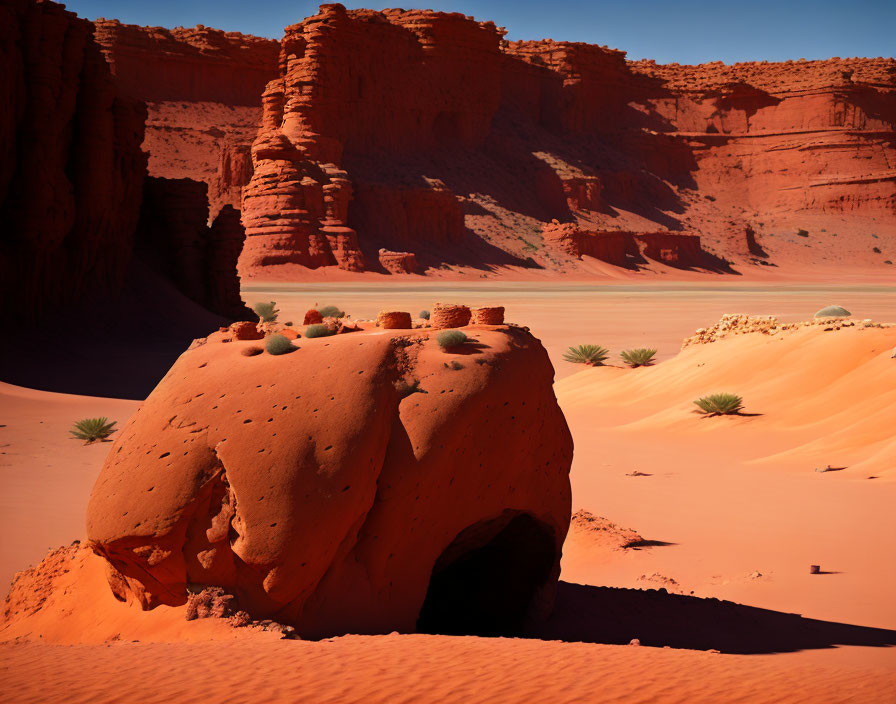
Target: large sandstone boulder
355 485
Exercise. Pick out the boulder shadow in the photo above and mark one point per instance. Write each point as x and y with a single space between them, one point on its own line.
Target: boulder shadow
590 614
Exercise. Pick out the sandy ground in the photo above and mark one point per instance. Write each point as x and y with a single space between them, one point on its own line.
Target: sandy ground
616 316
417 668
727 507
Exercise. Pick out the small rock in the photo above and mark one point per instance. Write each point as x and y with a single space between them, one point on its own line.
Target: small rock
814 569
634 641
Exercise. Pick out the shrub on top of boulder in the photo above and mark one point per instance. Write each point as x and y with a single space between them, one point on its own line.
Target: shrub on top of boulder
319 330
833 312
266 312
451 338
331 312
279 344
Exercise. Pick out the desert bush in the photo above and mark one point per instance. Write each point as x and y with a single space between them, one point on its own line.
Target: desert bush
720 404
833 312
266 312
318 330
331 312
93 429
279 344
640 357
405 388
587 354
451 338
424 314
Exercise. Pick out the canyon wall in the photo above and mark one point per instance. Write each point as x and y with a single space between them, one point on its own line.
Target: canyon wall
73 186
202 88
71 170
402 141
429 133
174 237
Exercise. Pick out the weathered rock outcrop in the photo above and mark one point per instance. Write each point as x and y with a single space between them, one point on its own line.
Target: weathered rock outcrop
445 135
399 262
71 169
571 239
187 64
203 92
175 237
353 485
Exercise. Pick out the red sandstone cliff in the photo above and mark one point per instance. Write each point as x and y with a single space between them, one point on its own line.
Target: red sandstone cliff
203 92
427 132
72 183
71 169
174 236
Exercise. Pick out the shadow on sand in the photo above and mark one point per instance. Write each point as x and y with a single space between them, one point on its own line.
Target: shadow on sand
117 348
591 614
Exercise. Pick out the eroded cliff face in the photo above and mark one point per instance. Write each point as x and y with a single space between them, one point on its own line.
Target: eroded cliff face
73 182
71 170
426 132
202 88
174 236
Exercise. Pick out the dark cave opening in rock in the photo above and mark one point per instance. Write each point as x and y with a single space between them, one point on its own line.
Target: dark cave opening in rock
485 582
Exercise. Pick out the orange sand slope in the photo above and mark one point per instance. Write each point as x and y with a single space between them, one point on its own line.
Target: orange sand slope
818 397
731 506
45 474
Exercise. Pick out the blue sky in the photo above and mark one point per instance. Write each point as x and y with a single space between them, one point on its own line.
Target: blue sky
685 31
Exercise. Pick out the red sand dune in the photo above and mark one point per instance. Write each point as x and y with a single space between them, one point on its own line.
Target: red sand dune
737 496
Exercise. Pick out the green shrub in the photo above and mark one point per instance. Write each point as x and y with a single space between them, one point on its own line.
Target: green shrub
319 330
424 314
833 312
331 312
279 344
720 404
451 338
266 312
594 355
93 429
640 357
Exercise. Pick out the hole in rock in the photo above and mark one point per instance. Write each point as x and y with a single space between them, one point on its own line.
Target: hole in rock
485 581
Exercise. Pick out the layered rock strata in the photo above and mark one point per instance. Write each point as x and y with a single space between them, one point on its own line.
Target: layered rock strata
202 88
455 136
